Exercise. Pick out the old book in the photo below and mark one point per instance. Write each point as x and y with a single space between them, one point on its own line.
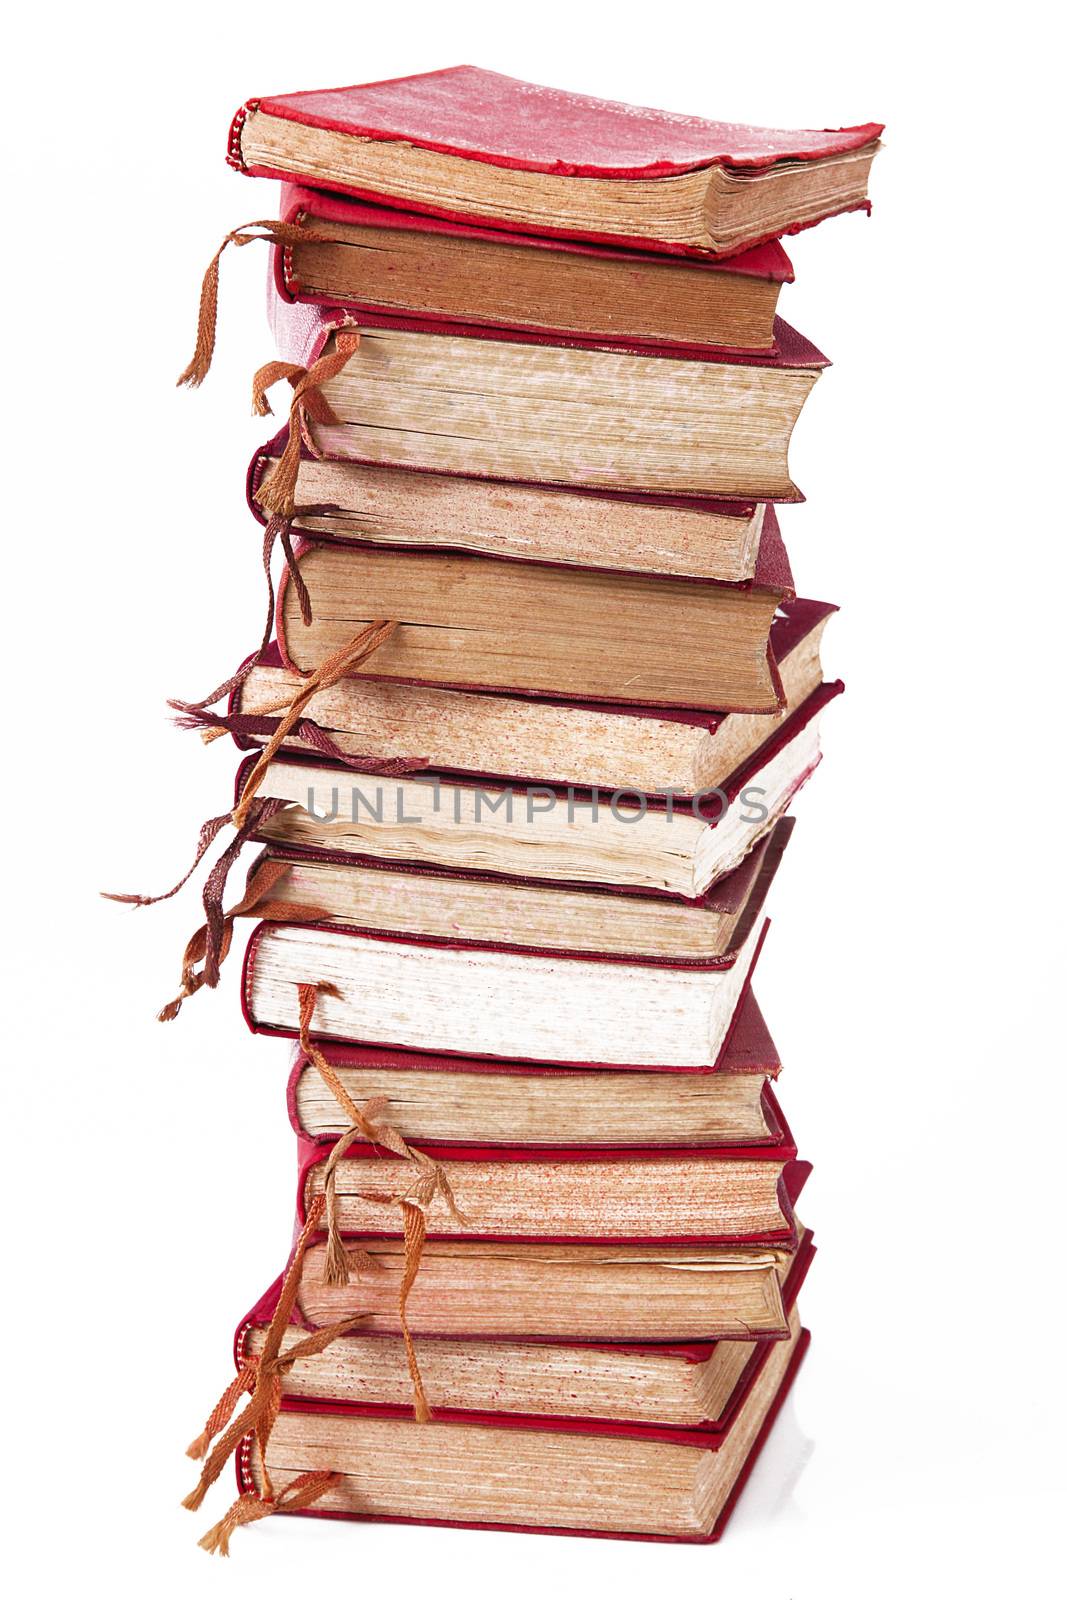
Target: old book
685 1385
512 405
535 831
482 622
479 997
479 146
373 259
586 744
535 1291
571 1194
463 907
450 1099
553 1475
576 526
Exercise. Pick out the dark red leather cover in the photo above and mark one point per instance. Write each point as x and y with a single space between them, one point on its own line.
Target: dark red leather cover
484 116
301 330
768 261
312 1153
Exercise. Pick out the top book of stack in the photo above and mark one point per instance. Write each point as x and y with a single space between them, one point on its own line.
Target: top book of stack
478 147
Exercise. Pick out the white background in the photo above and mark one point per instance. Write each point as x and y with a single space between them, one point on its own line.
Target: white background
915 969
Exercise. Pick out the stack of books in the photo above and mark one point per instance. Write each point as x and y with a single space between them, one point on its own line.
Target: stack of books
519 760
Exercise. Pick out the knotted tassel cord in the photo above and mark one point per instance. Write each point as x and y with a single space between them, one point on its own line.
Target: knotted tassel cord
211 943
279 499
277 495
249 814
208 941
331 671
261 1379
278 529
430 1183
303 1491
273 232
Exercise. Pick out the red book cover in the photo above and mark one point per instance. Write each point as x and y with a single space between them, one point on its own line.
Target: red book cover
795 621
301 330
772 582
748 1048
468 112
317 210
312 1153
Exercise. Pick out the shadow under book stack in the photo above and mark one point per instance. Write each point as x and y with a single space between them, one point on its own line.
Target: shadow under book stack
519 760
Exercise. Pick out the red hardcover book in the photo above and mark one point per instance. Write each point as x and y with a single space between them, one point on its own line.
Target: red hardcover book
450 1099
503 738
576 525
488 402
723 1194
478 621
374 260
468 996
474 145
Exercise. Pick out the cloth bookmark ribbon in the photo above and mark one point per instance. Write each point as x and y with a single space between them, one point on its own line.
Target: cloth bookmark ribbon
214 937
430 1182
277 530
348 659
277 494
210 944
270 231
245 725
261 1380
